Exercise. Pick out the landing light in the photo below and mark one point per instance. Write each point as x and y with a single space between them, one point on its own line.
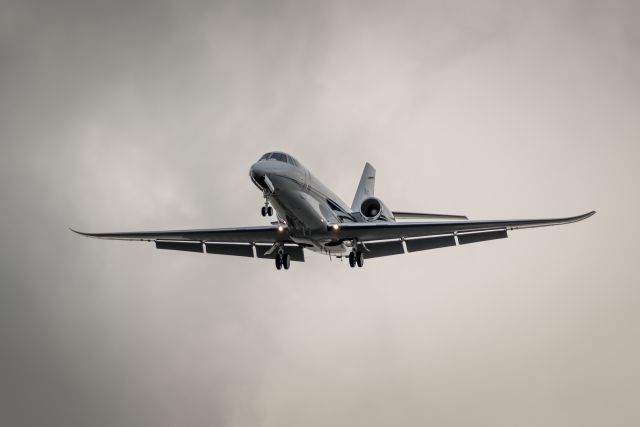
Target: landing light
280 228
335 226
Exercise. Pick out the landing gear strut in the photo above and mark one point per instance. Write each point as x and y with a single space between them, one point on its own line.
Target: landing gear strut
356 258
283 260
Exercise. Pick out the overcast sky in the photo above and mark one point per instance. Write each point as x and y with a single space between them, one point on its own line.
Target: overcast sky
132 115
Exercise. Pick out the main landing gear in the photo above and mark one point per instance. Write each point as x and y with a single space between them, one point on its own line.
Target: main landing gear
283 260
356 258
266 210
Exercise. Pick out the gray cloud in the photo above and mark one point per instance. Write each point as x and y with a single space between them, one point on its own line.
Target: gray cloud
134 115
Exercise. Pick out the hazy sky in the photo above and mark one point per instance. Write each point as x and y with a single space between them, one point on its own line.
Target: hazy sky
129 115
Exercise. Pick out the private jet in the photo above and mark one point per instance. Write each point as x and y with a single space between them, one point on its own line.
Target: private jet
309 216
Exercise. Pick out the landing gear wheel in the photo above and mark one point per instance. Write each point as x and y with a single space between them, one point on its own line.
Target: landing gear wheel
269 210
360 259
278 262
263 211
352 259
286 261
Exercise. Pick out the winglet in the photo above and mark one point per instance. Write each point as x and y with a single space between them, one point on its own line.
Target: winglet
583 216
81 233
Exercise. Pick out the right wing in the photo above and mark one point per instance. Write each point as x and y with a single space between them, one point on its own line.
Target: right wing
242 241
364 231
390 238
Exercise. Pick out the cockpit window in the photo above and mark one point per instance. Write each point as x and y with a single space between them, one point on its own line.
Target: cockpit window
281 157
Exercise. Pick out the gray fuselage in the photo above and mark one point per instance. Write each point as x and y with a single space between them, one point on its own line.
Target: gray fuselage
304 204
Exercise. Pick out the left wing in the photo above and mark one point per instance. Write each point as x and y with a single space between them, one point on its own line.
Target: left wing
222 241
429 235
267 234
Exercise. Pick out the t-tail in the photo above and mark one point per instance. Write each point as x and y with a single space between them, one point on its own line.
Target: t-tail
370 208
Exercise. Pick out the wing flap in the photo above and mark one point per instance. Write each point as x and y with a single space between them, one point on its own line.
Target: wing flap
466 238
296 252
179 246
378 249
423 244
245 250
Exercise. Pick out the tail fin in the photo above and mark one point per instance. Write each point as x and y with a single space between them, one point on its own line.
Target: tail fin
365 188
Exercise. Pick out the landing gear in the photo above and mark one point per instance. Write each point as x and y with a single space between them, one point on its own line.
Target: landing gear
266 210
356 258
283 260
352 259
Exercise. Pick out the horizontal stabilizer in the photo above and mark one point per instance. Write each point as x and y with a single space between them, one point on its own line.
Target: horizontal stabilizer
419 215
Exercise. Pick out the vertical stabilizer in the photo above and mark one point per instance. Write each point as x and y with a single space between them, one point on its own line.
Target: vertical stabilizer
365 188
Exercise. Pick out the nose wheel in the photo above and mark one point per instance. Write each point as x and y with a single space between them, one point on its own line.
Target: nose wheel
283 260
356 258
266 210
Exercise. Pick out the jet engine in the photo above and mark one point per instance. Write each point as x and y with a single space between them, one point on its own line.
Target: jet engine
373 208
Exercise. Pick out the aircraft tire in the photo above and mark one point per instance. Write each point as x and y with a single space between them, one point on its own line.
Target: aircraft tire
360 259
269 211
263 211
352 259
278 262
286 261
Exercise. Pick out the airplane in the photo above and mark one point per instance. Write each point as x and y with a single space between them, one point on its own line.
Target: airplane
309 216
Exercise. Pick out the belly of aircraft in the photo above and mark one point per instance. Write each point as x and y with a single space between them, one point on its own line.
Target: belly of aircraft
306 223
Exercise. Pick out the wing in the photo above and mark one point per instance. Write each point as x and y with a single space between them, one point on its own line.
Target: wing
429 235
242 241
268 234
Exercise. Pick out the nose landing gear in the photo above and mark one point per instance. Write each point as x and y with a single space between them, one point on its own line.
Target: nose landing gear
266 210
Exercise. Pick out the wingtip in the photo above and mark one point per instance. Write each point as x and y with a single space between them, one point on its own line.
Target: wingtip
585 216
80 233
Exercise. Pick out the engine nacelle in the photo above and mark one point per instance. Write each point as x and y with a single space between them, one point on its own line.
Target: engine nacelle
373 208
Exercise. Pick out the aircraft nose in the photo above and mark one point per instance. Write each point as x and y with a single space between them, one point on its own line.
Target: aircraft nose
257 170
